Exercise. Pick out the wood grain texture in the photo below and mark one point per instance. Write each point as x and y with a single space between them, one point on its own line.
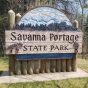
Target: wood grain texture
11 21
17 67
47 66
73 63
68 65
24 67
11 65
11 18
58 65
43 66
55 36
17 63
30 66
18 16
36 66
53 65
63 66
36 44
35 48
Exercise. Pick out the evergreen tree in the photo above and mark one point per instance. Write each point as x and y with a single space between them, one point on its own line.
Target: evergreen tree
3 6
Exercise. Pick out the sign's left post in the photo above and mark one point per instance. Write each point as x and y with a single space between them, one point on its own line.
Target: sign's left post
11 16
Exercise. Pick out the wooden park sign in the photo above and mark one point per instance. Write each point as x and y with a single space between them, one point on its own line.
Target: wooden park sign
44 40
43 30
35 42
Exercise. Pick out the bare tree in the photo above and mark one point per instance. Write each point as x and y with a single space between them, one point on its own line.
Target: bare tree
83 5
67 6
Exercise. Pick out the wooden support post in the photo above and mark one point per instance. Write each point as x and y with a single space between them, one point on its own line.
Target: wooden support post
43 66
37 62
63 65
68 63
53 65
11 18
24 67
18 16
24 63
11 65
36 66
58 65
30 66
11 57
17 67
17 63
75 23
74 67
47 66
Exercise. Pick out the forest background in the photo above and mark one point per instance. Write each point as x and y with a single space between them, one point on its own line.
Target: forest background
74 9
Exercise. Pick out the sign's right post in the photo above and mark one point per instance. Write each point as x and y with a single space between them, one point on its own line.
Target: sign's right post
73 63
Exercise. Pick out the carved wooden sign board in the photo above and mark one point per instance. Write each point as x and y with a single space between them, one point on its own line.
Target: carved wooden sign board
43 30
32 42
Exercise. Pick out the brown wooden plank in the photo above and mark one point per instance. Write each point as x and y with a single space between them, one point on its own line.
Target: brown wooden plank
43 66
53 42
11 65
24 67
63 66
11 21
73 63
58 65
11 18
17 67
50 36
18 16
30 66
47 66
68 65
36 62
53 65
49 45
17 63
35 48
36 66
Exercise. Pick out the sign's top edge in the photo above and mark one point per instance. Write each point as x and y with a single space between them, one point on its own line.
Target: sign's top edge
46 31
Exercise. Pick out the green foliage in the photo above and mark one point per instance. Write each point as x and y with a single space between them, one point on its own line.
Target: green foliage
86 26
86 6
4 63
86 30
4 6
66 83
3 27
3 23
1 72
85 37
16 5
82 16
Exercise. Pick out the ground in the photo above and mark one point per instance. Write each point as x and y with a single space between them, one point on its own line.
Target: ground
66 83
